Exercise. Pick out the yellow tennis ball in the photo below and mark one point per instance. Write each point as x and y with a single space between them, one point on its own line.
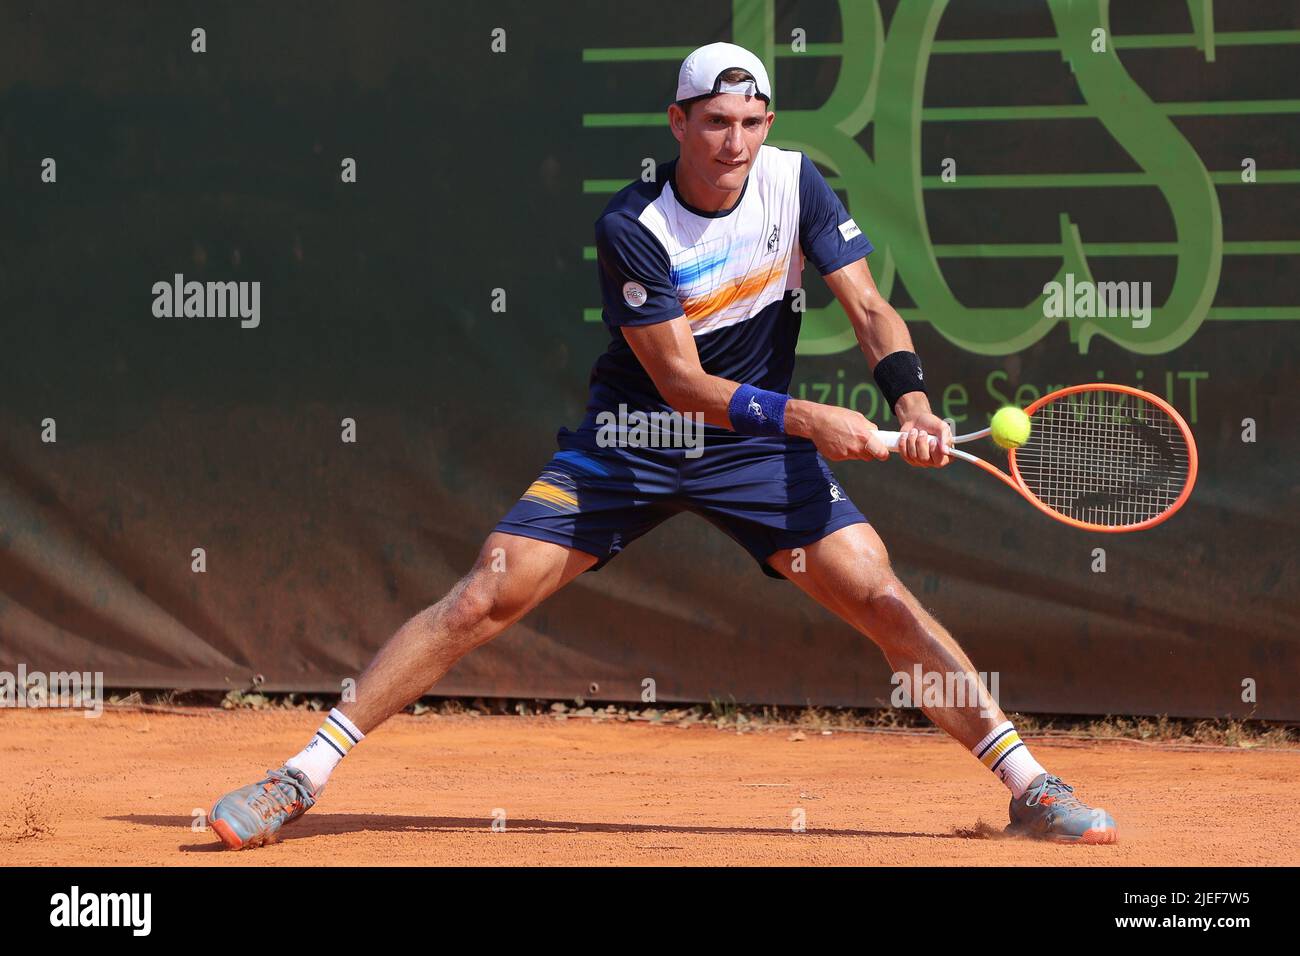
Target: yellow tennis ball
1010 427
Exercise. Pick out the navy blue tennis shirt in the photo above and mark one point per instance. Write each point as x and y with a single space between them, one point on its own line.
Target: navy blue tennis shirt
732 273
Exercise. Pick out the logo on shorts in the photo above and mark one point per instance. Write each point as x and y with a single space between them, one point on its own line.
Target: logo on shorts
634 294
836 494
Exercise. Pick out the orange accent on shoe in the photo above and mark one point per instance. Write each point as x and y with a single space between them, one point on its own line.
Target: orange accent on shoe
228 836
1097 837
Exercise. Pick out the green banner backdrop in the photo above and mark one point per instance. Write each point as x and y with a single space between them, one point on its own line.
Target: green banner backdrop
444 307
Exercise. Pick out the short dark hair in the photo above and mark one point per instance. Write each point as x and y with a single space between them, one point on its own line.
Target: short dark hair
734 75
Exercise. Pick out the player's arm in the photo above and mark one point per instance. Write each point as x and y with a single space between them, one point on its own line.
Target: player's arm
882 334
667 352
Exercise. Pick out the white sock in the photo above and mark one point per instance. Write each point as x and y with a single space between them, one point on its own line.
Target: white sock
331 744
1003 752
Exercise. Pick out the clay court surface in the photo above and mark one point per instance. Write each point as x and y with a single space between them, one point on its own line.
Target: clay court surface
120 790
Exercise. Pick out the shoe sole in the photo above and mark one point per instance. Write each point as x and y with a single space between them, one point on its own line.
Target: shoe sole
1097 837
232 841
227 835
1090 837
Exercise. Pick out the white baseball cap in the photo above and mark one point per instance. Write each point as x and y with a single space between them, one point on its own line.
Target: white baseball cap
701 73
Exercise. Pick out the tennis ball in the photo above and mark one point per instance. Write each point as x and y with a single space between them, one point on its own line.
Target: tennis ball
1010 427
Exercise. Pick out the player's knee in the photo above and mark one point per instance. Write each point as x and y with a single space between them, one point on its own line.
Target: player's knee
470 603
475 608
482 604
889 611
885 596
880 594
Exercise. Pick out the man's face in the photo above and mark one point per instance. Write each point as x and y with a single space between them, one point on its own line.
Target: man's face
721 136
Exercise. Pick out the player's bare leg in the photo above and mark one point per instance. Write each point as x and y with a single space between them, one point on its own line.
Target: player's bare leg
511 577
848 572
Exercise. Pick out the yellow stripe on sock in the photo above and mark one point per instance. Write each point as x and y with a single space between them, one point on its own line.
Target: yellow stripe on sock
1001 747
342 740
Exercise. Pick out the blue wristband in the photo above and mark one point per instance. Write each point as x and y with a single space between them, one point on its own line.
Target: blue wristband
754 411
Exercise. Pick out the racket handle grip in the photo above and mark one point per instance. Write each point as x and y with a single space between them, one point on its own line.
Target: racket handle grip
892 439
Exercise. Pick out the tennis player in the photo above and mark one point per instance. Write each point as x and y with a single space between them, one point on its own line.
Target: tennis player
697 274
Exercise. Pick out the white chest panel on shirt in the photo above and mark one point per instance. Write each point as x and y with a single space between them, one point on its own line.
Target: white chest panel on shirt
726 269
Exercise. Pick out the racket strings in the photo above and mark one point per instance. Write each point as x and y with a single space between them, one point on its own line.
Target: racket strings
1105 458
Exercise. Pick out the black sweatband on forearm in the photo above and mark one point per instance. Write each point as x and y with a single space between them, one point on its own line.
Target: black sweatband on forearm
897 374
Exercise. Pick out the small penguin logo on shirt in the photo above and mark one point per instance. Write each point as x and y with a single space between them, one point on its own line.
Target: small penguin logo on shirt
774 240
634 294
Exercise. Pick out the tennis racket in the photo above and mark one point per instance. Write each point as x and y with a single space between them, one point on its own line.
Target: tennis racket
1099 457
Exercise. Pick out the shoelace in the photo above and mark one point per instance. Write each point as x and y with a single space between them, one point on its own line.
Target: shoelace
266 803
1061 792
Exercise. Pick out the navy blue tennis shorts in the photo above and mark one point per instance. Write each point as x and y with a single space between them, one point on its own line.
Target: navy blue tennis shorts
768 494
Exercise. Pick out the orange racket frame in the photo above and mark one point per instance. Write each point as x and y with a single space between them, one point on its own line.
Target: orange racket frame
1015 481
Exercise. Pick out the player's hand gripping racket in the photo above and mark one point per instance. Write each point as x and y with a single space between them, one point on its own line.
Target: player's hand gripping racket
1098 457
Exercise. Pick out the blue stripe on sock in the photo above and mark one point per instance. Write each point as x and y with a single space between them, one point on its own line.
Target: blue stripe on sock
331 743
995 740
351 736
1004 756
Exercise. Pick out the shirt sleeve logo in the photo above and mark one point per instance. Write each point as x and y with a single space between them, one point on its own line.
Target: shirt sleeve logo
849 229
634 294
